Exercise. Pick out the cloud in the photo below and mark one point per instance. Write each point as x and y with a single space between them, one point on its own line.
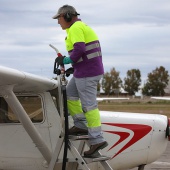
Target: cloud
133 33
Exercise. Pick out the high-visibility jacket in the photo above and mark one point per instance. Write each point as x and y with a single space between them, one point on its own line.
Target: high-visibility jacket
84 49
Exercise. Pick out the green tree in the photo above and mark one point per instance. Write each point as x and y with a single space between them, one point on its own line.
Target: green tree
111 81
132 81
156 83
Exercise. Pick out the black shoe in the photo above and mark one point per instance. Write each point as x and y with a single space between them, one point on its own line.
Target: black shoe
94 148
77 131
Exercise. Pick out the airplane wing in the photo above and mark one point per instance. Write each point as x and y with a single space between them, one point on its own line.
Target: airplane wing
25 82
161 98
111 98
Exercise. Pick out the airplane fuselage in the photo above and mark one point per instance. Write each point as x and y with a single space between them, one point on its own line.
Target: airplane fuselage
30 126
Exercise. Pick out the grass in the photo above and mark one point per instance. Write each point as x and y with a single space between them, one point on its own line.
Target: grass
137 106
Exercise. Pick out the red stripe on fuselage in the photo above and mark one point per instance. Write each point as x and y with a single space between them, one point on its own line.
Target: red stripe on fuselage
139 132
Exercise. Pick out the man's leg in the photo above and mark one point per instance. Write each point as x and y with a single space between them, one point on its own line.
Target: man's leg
87 89
75 109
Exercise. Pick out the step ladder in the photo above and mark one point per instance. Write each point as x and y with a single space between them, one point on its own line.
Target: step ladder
79 161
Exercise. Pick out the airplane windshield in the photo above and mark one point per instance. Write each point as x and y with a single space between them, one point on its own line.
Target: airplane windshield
31 104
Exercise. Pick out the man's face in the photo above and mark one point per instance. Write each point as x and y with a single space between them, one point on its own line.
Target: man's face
62 22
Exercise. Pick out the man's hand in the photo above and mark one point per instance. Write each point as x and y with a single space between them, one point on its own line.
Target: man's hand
69 71
59 60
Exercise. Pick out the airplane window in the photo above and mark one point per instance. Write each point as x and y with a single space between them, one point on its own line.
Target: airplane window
31 104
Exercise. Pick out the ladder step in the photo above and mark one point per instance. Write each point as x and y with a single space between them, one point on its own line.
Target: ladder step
87 160
96 159
82 137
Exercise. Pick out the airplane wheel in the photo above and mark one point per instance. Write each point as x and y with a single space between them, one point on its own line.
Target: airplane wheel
141 167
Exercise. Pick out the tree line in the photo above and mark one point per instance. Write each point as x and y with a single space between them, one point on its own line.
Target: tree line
156 82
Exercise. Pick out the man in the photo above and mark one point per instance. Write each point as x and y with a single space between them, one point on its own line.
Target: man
85 56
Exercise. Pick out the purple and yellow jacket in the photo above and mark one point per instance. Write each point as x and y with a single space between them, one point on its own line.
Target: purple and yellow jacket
84 50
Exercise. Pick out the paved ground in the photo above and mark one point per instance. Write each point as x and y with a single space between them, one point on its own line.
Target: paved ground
163 163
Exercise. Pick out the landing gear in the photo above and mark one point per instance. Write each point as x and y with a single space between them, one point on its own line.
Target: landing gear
141 167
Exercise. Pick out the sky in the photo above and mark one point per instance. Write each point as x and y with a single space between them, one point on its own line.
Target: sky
134 34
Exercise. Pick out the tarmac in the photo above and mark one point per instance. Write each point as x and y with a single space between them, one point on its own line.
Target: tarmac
163 163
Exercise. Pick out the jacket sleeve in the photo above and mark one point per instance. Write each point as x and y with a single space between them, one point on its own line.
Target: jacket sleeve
78 51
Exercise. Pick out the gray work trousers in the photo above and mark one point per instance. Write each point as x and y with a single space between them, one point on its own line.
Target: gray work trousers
85 89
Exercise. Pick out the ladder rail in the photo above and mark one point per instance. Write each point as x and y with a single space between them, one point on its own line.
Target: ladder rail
104 163
75 165
78 158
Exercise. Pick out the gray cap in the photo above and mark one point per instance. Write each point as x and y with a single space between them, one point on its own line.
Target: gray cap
66 9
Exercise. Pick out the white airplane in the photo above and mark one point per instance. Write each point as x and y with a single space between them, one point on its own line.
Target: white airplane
99 99
30 128
161 98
